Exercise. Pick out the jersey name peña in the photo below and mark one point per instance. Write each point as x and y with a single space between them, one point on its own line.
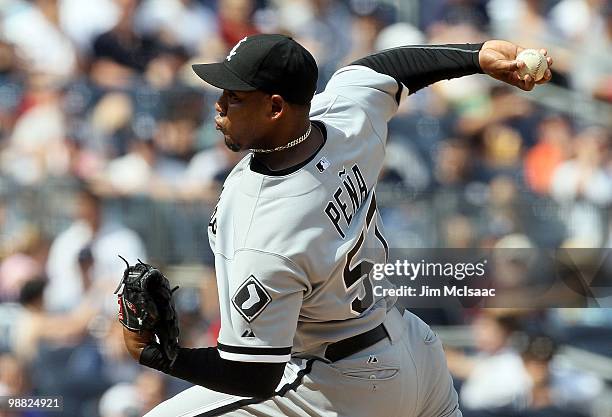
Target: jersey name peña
347 199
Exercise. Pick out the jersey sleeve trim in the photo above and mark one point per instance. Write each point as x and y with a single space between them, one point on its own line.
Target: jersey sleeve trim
254 354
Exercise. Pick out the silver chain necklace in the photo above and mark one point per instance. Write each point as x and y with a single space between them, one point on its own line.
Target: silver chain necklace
289 145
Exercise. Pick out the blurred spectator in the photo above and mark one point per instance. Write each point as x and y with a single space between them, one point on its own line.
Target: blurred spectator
162 71
553 147
454 164
14 271
198 307
106 238
122 45
44 46
502 146
36 148
120 400
110 123
25 261
84 21
576 18
235 20
582 186
178 22
454 12
404 165
150 388
84 163
458 232
536 357
207 170
176 133
366 27
133 172
554 391
14 382
495 377
502 106
157 157
323 27
592 68
513 258
122 52
454 168
529 15
11 88
502 214
13 378
134 399
398 34
36 325
9 61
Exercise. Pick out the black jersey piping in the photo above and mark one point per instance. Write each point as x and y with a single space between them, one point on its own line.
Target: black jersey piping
254 350
231 407
298 380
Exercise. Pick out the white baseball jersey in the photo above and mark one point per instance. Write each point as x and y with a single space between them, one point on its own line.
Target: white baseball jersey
293 252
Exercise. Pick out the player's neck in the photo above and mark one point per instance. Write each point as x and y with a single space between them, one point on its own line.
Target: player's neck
279 160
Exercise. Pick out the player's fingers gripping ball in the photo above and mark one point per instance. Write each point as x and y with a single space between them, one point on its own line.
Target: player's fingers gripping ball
145 304
535 64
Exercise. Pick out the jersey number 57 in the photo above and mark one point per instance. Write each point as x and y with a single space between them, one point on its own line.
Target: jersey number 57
360 272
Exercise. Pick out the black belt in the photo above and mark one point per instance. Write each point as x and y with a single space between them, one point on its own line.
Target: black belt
347 347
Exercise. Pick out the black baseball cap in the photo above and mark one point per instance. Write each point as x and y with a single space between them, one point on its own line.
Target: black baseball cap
276 64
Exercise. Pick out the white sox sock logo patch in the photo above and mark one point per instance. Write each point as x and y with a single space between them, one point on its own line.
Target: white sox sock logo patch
251 299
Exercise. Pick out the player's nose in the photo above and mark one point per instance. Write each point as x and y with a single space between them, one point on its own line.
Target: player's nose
220 106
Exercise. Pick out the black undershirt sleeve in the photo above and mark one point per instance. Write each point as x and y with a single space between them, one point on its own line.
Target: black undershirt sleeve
419 66
204 366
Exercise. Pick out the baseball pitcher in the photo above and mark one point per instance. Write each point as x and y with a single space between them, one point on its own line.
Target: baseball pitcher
296 233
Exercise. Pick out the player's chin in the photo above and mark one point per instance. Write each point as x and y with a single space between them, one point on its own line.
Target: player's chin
232 146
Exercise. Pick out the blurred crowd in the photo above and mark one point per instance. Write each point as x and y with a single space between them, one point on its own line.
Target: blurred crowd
108 146
515 369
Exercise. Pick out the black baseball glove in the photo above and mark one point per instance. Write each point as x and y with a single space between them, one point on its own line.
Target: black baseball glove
145 304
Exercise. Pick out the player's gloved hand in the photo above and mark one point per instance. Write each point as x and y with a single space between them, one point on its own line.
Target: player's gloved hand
498 59
146 307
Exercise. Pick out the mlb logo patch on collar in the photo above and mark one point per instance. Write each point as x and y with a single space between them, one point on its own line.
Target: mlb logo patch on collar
323 164
251 299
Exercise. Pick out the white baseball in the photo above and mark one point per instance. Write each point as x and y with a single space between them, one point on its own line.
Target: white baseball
535 64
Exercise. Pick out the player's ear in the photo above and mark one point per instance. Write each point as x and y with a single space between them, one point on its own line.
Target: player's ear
278 106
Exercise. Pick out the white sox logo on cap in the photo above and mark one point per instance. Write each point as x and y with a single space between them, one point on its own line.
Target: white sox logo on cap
275 64
233 51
